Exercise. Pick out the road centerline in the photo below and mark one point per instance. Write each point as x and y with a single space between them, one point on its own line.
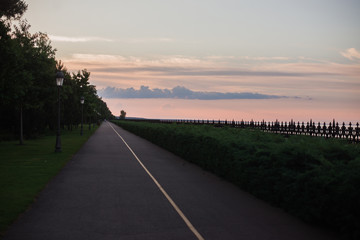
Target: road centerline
173 204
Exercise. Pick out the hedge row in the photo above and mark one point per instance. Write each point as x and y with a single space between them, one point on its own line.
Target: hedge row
315 179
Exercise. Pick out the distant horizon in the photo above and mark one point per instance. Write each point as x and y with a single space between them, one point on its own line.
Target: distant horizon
269 110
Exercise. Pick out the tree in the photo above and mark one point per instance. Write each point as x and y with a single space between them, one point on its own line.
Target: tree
12 8
26 76
27 80
122 114
77 85
36 76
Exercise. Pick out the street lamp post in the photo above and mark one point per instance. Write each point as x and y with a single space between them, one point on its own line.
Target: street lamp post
82 100
59 83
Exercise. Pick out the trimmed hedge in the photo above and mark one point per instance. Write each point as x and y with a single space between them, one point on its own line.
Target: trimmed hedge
313 178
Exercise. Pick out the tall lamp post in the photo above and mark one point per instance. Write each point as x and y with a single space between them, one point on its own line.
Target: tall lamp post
59 83
82 100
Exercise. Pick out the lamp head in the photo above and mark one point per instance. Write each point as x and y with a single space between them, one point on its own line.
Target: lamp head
59 78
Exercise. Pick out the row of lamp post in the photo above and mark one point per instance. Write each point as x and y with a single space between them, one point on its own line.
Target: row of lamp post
59 83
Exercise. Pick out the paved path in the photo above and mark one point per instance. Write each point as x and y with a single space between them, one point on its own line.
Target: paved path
105 193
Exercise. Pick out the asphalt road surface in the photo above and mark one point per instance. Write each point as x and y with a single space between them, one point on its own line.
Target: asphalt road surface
120 186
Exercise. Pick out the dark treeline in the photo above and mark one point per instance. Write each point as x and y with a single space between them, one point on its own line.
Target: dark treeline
27 81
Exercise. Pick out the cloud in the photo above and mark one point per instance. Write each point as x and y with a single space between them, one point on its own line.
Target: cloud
192 71
217 73
78 39
98 58
179 92
351 53
177 65
233 72
266 58
144 40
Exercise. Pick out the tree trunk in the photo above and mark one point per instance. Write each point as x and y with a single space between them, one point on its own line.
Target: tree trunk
21 126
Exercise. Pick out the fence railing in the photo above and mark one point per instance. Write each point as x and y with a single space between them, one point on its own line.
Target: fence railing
350 132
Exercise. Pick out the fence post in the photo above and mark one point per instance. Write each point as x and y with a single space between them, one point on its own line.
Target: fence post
313 128
337 130
350 128
308 129
324 130
330 128
343 130
302 128
319 129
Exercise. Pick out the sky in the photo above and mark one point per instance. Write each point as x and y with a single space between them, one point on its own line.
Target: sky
212 59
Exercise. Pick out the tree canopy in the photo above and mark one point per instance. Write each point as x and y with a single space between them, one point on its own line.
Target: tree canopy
12 8
27 80
122 114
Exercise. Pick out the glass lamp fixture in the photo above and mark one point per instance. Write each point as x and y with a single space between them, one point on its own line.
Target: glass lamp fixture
59 78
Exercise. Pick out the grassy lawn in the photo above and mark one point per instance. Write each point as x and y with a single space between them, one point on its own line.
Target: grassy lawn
25 170
313 178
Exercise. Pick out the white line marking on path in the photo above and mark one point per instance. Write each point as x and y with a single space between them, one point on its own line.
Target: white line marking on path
182 215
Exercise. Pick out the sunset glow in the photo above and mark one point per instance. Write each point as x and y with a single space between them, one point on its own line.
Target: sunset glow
258 47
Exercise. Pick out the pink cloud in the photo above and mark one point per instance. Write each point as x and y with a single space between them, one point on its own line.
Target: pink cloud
351 53
301 77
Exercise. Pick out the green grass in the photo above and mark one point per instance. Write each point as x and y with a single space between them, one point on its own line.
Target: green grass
25 170
313 178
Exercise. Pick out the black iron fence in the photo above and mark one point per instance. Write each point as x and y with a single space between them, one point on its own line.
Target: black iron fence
350 132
